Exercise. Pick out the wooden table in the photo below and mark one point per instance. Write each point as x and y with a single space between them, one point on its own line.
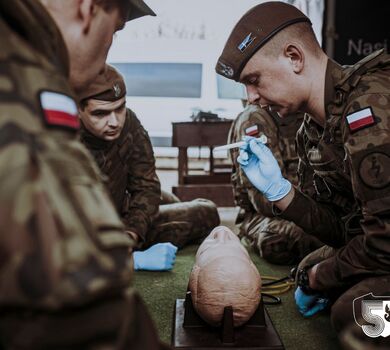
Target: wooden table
214 184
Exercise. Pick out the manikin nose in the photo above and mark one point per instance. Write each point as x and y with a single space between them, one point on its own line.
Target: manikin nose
221 235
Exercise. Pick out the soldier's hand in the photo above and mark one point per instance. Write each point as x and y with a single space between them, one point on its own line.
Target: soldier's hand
262 169
310 304
159 257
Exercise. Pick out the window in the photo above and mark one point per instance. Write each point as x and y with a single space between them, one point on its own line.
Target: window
228 88
162 79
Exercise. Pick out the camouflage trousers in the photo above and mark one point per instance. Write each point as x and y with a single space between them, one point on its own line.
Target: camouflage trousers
182 223
112 323
277 241
342 310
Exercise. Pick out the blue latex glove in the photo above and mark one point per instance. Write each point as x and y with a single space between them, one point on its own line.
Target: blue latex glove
159 257
262 169
308 305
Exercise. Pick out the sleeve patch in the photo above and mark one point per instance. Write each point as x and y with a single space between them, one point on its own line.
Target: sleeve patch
252 130
360 119
59 110
374 170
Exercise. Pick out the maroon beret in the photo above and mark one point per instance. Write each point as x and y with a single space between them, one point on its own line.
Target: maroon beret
252 31
108 86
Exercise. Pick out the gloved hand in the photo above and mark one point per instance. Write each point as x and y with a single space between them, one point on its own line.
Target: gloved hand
159 257
308 305
262 169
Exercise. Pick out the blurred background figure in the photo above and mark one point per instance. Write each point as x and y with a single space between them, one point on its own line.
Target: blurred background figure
65 271
278 241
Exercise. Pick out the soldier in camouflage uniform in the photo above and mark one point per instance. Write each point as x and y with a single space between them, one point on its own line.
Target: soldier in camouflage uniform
65 268
344 147
277 240
123 151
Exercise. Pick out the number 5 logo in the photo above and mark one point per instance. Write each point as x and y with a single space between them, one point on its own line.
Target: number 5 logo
375 310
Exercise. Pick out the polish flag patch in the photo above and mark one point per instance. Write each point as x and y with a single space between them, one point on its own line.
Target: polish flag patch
252 130
59 110
360 119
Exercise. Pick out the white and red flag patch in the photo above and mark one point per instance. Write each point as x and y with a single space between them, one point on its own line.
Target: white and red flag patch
252 130
360 119
59 110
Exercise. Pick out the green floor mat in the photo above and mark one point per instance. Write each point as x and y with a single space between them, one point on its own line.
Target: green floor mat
161 289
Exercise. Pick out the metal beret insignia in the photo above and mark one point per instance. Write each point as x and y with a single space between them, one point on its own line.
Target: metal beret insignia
117 90
248 40
225 70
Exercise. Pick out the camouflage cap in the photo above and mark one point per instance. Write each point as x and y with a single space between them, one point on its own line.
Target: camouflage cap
252 31
139 9
108 86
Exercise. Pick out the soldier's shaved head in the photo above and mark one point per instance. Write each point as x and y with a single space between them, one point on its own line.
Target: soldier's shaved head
300 33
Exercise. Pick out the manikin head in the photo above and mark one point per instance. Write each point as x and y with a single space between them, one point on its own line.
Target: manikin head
224 275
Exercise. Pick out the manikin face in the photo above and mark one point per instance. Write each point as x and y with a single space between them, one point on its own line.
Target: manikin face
224 275
104 119
221 242
272 83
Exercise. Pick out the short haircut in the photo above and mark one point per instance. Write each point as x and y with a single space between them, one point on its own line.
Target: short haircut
109 5
301 32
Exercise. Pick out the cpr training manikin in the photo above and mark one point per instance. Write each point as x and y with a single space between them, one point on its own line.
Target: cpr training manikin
224 275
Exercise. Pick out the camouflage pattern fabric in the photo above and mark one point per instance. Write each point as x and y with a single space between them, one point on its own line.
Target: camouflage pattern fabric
351 172
129 165
65 264
168 198
277 240
182 223
342 296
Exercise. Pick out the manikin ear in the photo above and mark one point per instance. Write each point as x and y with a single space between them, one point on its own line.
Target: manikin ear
296 57
86 11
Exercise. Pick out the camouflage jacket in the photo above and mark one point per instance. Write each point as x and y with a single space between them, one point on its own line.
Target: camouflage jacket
281 140
349 160
65 260
129 165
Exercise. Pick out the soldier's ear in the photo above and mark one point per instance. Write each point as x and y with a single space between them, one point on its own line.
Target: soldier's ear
86 12
296 56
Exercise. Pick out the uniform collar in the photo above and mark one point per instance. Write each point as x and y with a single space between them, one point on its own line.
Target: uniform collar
334 72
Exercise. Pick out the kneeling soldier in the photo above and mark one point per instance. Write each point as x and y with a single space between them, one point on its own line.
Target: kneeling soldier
123 151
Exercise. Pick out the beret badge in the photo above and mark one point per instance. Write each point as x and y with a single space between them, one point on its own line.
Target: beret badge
225 70
117 90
